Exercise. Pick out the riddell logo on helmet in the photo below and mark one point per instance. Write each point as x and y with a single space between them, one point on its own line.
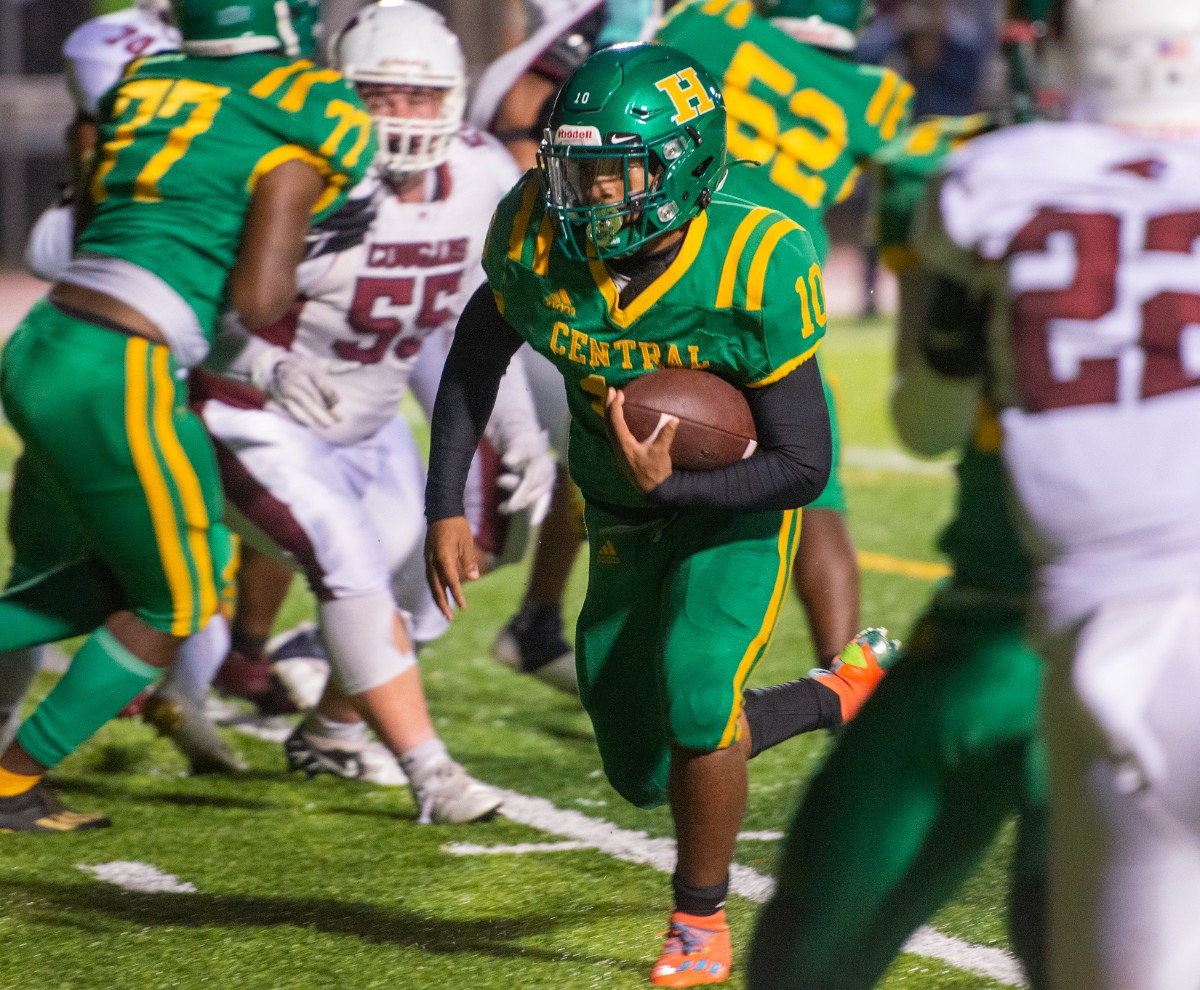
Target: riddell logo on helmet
576 134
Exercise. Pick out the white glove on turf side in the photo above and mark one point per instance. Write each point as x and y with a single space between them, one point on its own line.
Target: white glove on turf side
529 473
302 385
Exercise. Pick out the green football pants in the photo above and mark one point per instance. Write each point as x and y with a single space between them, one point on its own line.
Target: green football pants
118 502
909 801
678 612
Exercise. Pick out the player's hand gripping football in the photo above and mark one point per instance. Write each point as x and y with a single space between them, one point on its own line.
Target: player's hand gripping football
449 561
647 462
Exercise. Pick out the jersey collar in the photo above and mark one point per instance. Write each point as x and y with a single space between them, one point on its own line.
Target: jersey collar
656 289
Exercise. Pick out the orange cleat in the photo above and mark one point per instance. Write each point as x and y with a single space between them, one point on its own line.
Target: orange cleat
857 671
696 952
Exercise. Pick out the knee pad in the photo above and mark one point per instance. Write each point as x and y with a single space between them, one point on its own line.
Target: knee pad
358 634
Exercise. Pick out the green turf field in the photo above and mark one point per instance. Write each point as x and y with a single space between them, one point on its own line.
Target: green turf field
283 883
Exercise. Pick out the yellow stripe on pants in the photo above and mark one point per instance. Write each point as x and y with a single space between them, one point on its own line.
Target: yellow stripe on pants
788 533
154 485
195 513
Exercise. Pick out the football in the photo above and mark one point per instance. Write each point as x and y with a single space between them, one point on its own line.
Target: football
715 425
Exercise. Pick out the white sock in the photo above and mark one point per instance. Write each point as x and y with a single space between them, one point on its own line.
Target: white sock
198 660
319 725
418 761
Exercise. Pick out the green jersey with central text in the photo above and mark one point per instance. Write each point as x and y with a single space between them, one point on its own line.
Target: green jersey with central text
742 299
183 144
810 119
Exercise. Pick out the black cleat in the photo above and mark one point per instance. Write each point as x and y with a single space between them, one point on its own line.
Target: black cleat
533 643
38 810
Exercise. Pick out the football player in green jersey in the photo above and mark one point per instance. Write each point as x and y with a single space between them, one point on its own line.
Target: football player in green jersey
615 257
211 162
812 118
964 694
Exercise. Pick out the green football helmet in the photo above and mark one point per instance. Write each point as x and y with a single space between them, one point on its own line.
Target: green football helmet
824 23
635 147
220 28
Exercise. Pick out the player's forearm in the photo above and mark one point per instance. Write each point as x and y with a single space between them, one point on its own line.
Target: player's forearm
513 418
235 349
790 467
483 345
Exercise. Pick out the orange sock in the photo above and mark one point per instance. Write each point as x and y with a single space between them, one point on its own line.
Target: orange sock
13 784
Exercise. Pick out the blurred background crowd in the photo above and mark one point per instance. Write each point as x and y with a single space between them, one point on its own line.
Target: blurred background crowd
946 48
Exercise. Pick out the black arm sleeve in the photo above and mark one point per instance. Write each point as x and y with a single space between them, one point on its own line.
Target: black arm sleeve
790 466
484 343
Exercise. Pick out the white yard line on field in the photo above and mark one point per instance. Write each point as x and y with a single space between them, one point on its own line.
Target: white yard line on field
571 845
659 853
582 832
515 849
887 459
142 877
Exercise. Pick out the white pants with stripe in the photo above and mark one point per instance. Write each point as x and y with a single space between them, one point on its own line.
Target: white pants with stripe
351 518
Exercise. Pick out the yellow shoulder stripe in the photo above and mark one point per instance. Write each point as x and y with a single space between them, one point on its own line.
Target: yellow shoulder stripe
286 153
277 77
516 236
541 247
883 96
297 93
891 122
785 369
734 255
758 267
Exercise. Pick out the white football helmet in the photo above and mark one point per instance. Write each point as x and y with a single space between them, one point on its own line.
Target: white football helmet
1137 62
158 8
404 43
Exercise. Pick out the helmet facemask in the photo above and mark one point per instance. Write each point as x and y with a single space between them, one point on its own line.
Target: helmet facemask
422 138
582 180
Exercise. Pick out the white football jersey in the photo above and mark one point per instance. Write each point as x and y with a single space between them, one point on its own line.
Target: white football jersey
376 303
1090 237
98 50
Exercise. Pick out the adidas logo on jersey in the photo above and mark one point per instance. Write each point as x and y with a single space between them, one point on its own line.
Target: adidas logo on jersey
607 554
560 302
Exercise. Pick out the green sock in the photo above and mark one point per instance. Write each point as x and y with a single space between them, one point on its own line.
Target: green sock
102 679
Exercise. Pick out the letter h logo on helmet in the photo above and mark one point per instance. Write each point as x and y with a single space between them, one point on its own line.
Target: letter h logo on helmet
688 94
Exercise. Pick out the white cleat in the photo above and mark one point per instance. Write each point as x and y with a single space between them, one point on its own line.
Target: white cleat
174 715
447 795
298 658
364 759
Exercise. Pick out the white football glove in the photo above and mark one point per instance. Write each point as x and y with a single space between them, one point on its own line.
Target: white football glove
302 385
529 473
